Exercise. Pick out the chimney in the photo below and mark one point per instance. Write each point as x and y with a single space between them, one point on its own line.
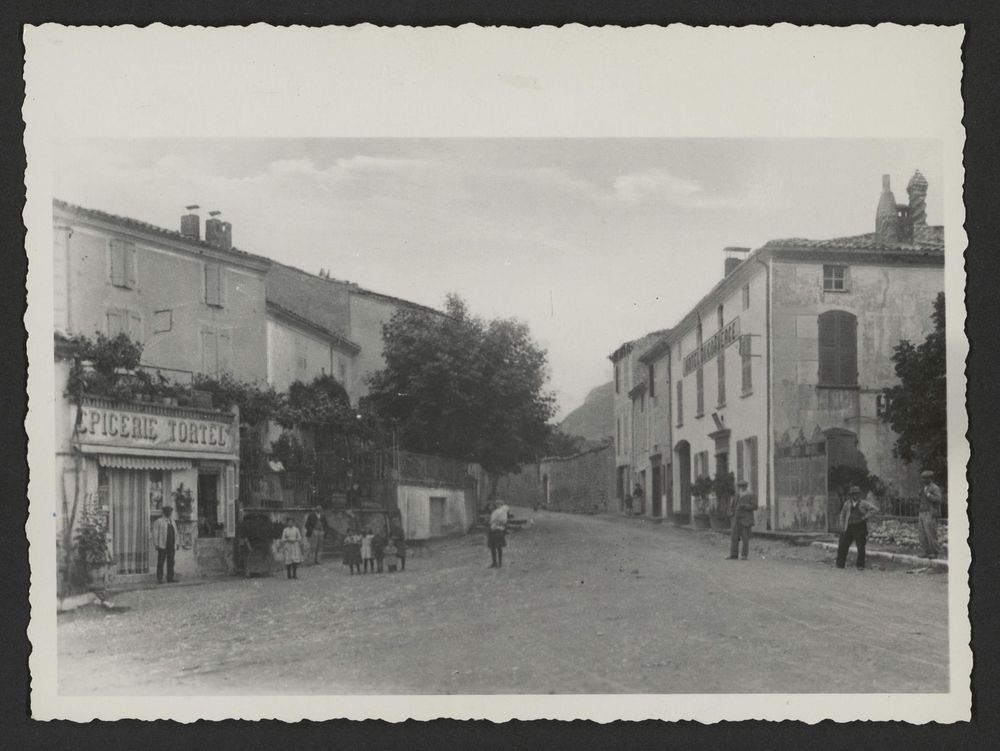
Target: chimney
218 233
191 223
917 190
734 257
887 216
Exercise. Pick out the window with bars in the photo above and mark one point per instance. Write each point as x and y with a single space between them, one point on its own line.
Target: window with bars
122 263
838 349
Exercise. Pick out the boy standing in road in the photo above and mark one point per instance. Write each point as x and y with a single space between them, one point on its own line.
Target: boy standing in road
930 510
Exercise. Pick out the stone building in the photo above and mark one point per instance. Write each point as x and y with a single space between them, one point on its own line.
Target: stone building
197 305
779 371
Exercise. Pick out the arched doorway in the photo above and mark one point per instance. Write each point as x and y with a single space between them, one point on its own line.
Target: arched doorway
682 454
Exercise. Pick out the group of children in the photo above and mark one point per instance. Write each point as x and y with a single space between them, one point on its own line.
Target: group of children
365 551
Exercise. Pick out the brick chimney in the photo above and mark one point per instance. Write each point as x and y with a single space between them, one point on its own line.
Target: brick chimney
218 233
191 223
917 190
887 220
734 257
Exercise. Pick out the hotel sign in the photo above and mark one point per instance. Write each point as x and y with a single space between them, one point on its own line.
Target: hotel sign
108 426
719 341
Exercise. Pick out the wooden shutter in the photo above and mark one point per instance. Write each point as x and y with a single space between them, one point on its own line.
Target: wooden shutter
225 351
828 348
230 501
741 446
114 322
209 353
213 285
722 377
847 346
117 252
128 259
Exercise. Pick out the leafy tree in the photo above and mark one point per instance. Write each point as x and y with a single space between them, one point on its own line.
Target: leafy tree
459 386
256 403
917 407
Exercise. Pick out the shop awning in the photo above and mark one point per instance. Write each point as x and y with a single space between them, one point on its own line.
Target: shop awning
115 461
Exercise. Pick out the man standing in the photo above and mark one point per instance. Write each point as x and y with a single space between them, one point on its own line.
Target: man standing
638 500
930 510
741 509
165 541
315 532
854 516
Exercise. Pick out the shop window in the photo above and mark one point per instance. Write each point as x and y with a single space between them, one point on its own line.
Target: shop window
159 481
213 285
834 278
122 263
838 349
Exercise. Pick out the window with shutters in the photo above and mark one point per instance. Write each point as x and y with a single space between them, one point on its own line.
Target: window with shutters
216 351
838 349
699 384
122 265
124 321
213 285
722 377
680 403
835 278
652 380
746 378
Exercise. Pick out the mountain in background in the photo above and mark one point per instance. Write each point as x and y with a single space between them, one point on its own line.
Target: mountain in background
595 418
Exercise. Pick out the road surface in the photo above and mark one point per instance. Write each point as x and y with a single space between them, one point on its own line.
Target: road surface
582 605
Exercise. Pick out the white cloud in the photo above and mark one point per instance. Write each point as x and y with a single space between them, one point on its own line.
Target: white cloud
659 185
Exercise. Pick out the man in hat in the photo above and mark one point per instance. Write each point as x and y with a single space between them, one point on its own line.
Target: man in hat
854 516
315 532
741 510
930 510
165 542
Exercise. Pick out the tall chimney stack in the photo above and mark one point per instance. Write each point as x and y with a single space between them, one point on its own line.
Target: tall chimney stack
917 190
886 216
217 232
191 223
734 257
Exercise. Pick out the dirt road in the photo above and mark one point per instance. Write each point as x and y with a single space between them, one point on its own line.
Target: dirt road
582 605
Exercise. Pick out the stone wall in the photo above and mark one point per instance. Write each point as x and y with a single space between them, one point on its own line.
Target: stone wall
584 483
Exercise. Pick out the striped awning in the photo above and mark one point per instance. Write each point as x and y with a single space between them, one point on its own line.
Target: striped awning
115 461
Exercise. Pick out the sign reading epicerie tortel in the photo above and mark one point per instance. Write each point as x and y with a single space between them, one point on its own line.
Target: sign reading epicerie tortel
125 427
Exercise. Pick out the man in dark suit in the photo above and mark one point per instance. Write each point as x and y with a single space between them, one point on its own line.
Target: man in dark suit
854 516
741 509
165 542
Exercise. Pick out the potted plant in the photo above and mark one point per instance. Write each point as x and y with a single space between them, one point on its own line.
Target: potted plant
183 501
701 491
724 488
92 552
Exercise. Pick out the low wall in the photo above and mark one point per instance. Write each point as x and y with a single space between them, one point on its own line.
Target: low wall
415 508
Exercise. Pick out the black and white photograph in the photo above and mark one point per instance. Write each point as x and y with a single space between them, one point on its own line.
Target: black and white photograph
624 422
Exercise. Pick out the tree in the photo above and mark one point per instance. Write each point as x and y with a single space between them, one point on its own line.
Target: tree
917 407
458 386
560 443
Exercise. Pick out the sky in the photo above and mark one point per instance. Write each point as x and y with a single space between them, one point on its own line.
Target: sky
592 242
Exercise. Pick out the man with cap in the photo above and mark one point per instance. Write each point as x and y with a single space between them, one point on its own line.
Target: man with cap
854 516
315 532
741 509
165 542
930 510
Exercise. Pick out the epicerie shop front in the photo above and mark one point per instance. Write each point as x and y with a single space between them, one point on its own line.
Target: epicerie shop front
138 458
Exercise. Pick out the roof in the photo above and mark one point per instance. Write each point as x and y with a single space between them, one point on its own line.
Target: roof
659 348
152 229
927 238
338 339
628 346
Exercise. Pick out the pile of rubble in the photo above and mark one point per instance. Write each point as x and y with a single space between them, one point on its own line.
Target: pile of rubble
902 534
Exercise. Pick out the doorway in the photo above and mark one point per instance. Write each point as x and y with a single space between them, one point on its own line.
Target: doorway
656 492
683 452
208 505
437 516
